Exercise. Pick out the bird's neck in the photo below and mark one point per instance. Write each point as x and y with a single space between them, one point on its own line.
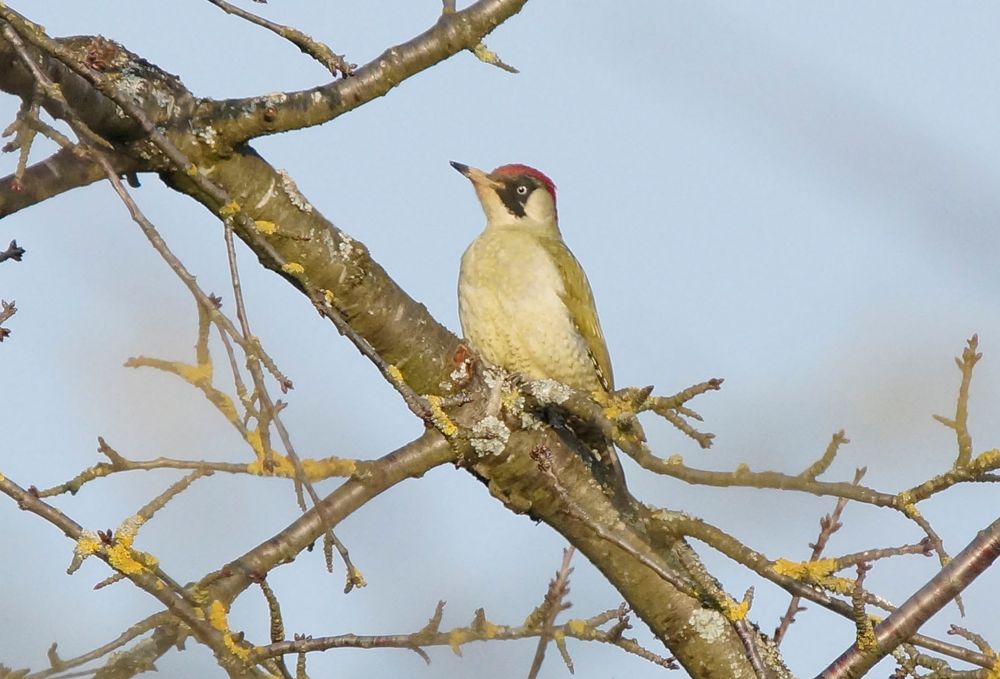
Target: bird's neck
539 229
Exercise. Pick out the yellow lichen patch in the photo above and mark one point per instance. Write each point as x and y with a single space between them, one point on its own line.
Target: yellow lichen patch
128 529
195 374
121 559
279 465
395 374
356 577
2 477
265 227
293 268
805 571
256 442
910 511
457 637
994 672
866 639
733 611
675 460
987 460
225 406
838 585
576 627
217 616
317 470
229 209
88 544
613 411
217 619
440 419
330 298
486 629
512 401
191 170
199 595
121 556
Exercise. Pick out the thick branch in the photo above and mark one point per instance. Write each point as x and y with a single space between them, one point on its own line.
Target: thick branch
411 461
238 120
60 172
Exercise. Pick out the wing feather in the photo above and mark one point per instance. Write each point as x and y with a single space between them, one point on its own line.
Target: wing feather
579 301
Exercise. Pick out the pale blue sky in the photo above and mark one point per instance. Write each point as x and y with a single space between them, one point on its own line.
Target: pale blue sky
798 197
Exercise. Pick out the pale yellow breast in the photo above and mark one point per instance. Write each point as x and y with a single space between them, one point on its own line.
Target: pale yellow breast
512 311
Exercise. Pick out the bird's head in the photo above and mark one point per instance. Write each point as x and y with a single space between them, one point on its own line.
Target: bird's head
514 196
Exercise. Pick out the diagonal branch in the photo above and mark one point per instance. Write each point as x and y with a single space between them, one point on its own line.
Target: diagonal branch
928 600
239 120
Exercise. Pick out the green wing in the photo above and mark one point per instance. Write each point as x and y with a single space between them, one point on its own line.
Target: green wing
579 300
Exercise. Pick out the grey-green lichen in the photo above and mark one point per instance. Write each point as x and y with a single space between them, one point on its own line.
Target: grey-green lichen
490 436
293 193
708 624
549 391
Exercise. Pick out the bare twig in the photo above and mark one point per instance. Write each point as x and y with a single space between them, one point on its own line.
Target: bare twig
321 52
481 629
824 462
7 309
552 606
623 539
960 425
12 252
828 525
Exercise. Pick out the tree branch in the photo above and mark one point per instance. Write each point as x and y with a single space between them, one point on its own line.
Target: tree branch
62 171
239 120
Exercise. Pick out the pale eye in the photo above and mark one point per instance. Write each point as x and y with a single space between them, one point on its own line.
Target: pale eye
522 190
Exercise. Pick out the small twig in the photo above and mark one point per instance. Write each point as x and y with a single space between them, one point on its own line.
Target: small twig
824 462
160 501
7 309
828 525
623 539
277 623
674 409
553 605
960 424
923 548
417 404
335 63
481 629
864 632
12 252
488 56
133 632
977 639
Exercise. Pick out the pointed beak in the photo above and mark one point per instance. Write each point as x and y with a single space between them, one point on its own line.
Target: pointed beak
479 178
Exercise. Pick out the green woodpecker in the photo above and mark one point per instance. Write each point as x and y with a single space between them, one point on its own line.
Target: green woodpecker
523 300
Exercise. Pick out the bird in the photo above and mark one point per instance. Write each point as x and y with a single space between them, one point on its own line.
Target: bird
524 301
